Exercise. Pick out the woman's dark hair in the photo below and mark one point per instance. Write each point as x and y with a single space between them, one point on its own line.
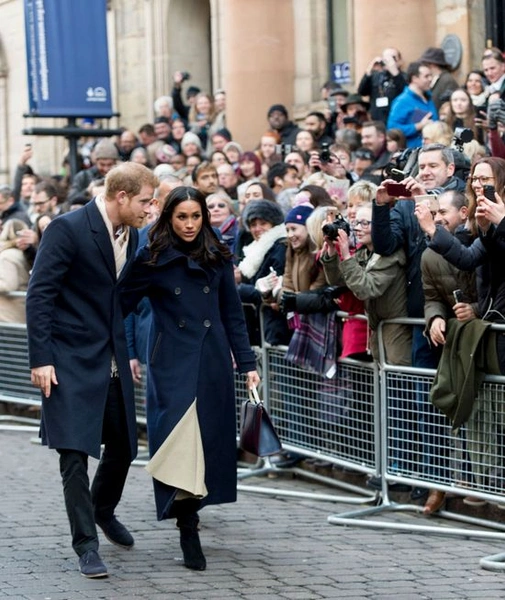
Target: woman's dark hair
268 193
483 78
397 135
206 249
251 157
318 195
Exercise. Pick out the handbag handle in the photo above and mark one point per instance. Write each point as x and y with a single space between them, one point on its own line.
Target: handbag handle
253 395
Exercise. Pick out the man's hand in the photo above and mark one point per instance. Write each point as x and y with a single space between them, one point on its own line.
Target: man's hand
136 369
43 377
463 311
424 121
414 187
388 57
437 331
253 379
374 65
425 219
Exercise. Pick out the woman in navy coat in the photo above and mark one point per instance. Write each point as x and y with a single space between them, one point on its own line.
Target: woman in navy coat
198 323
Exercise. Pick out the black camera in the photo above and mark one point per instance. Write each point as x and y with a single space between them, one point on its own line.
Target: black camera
185 75
331 230
325 154
462 135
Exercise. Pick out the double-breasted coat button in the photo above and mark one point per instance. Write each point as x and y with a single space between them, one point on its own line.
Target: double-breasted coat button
177 291
206 289
182 323
206 323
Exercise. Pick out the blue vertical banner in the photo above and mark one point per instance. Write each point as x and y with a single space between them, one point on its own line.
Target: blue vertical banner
68 59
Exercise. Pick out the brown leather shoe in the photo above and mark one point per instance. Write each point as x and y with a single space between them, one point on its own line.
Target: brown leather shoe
434 502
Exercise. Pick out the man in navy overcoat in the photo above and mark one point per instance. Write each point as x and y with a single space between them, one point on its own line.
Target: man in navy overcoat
78 354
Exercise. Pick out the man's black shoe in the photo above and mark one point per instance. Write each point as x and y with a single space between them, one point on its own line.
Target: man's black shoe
91 565
419 493
116 533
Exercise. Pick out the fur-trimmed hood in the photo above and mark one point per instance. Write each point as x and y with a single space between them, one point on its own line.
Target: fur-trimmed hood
255 253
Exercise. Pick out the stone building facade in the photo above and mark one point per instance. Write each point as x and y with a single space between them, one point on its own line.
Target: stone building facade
260 51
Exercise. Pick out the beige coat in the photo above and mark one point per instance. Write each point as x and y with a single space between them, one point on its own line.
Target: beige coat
14 274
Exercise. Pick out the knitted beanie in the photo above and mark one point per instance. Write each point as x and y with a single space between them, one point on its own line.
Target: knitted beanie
190 138
299 214
106 149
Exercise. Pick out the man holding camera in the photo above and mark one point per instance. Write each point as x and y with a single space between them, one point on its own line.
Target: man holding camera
382 82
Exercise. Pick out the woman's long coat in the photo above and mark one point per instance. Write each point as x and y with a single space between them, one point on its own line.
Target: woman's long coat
197 322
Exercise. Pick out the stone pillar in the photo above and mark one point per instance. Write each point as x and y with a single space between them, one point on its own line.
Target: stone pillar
257 49
410 25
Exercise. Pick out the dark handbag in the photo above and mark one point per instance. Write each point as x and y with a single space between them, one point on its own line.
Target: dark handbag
257 434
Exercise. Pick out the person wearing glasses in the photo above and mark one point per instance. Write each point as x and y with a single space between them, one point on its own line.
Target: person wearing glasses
44 199
380 281
223 218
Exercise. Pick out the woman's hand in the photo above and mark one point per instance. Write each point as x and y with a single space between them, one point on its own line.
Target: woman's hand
463 311
237 274
329 247
343 244
489 211
253 379
437 331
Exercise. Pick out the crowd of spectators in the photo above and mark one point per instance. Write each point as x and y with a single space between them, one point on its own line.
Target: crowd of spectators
375 205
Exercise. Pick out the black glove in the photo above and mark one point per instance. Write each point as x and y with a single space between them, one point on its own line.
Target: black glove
288 302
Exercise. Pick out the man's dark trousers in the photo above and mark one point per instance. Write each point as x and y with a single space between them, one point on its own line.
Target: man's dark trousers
83 505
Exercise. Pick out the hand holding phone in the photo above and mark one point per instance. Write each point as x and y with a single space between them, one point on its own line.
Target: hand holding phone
489 191
398 190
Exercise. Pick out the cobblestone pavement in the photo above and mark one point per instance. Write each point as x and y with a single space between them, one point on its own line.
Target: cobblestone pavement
260 548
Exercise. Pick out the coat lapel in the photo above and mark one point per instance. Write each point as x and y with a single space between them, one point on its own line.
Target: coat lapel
101 236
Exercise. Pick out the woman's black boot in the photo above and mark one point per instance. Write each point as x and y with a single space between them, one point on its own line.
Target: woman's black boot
190 540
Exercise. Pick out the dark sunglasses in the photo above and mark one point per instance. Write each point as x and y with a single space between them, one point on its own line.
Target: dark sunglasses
219 205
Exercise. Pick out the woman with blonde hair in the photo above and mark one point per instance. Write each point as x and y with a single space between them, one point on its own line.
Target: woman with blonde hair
437 132
14 273
204 121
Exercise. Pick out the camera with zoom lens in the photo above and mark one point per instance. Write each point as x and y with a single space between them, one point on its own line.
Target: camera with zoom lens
185 75
325 154
462 135
331 230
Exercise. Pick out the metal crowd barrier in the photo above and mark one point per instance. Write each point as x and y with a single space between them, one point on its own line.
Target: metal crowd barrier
335 420
329 419
419 449
16 389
